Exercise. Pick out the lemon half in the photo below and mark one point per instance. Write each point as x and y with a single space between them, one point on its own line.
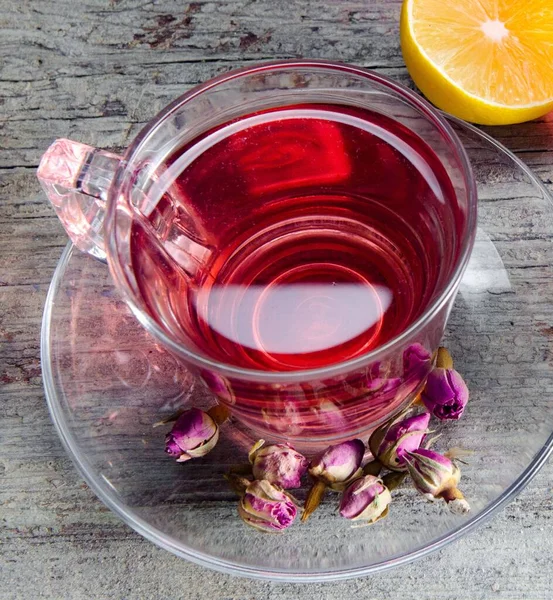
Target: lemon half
485 61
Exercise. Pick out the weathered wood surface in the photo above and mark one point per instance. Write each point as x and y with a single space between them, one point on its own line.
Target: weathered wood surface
96 72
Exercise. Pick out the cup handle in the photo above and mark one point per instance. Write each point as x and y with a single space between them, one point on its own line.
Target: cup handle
76 179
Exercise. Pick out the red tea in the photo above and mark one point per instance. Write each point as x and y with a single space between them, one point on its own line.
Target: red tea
297 238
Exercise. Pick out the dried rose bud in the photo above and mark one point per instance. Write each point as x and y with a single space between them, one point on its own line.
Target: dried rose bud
389 442
377 379
445 394
377 370
193 435
436 476
284 416
278 463
365 499
219 385
336 468
384 386
266 507
328 414
416 357
339 463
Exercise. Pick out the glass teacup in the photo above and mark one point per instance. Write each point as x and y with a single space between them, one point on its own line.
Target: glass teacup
295 232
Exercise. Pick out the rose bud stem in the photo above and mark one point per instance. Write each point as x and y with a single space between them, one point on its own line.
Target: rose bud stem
314 498
373 468
245 469
219 413
417 400
443 359
394 479
452 494
456 501
237 483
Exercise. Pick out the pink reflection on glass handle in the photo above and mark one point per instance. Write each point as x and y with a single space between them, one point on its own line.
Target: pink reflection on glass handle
76 179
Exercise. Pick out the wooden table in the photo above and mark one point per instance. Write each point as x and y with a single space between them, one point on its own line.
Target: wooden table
96 71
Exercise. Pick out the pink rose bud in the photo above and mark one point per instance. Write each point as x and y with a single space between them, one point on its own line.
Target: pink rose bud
377 380
384 386
445 394
339 463
219 385
193 435
436 476
375 377
365 499
416 357
278 463
389 442
266 507
336 467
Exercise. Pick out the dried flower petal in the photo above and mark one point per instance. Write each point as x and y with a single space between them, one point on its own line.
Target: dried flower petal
219 385
436 476
416 357
278 463
336 467
446 394
389 442
266 507
338 463
365 499
193 435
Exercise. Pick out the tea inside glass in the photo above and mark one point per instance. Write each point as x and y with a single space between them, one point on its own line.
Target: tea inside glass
300 237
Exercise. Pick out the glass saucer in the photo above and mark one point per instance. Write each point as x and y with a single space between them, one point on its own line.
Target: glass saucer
107 382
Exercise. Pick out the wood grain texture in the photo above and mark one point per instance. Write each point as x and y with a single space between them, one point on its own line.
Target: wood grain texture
96 71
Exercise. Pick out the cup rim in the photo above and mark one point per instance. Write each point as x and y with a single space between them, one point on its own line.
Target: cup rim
432 114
